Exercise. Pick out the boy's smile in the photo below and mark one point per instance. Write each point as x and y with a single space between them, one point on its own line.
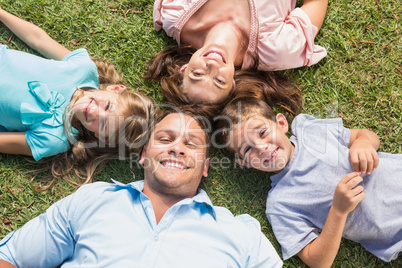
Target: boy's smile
262 143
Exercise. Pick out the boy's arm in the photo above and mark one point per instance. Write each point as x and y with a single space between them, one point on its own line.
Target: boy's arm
322 251
363 147
33 36
5 264
14 143
316 10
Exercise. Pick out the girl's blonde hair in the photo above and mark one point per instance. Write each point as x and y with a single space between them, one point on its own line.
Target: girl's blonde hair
87 153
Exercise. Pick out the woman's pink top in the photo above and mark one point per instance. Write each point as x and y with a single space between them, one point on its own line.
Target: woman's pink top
281 35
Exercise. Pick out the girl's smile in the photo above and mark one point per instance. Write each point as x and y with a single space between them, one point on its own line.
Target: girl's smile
98 111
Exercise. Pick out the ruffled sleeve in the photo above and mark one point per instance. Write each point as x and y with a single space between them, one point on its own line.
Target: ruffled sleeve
172 15
289 43
46 136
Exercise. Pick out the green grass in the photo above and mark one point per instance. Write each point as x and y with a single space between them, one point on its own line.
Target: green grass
359 80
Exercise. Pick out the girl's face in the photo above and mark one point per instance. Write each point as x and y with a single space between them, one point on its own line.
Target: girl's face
208 76
98 111
262 144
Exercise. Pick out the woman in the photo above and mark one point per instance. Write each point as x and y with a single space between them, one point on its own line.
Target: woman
248 34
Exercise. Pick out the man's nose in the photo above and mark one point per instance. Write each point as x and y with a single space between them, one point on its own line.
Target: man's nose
177 149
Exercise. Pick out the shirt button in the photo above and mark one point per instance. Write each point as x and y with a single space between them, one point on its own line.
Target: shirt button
156 238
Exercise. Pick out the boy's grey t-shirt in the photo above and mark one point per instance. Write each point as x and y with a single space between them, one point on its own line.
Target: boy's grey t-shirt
302 193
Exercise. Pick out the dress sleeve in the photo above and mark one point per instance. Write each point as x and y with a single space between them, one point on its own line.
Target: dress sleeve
157 15
81 68
46 142
45 241
289 43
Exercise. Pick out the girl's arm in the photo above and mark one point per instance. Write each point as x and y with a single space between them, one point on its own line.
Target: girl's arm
316 10
363 147
33 36
322 251
14 143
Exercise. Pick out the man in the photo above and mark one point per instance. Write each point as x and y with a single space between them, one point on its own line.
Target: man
163 221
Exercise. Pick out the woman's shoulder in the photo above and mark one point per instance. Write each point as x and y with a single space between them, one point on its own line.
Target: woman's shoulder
171 15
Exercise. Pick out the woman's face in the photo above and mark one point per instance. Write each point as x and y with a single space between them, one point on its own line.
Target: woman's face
208 76
98 111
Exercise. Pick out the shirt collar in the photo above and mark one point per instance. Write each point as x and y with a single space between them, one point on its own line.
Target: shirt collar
201 197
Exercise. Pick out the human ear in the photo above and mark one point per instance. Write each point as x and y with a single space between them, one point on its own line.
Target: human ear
206 166
142 159
242 162
116 88
183 68
282 122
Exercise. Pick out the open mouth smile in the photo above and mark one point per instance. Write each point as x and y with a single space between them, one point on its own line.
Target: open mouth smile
86 110
215 55
173 164
273 155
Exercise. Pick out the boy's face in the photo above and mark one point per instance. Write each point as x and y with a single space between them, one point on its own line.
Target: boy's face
262 144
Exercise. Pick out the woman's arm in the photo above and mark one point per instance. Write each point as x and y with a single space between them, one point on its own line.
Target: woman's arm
316 10
363 147
33 36
14 143
322 251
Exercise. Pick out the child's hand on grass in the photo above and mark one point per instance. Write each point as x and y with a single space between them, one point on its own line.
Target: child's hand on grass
363 157
348 193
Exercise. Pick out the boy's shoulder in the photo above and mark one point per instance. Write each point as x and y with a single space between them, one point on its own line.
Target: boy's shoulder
304 122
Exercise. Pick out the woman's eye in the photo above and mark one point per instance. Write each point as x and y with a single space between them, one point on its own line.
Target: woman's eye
220 81
262 132
107 106
195 73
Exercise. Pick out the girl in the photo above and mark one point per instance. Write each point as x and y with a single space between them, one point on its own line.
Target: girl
329 181
53 108
264 35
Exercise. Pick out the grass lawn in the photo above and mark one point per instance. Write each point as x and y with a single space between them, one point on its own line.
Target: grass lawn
359 80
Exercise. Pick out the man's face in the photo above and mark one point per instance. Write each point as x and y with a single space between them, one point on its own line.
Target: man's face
175 157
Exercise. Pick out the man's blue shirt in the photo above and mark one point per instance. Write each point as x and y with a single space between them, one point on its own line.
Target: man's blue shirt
114 225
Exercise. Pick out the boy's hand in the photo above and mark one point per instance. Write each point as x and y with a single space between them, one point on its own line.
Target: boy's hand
348 193
363 157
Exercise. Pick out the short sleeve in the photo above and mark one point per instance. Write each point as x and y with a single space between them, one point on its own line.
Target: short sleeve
305 127
290 43
47 141
171 15
157 15
261 253
82 68
293 231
